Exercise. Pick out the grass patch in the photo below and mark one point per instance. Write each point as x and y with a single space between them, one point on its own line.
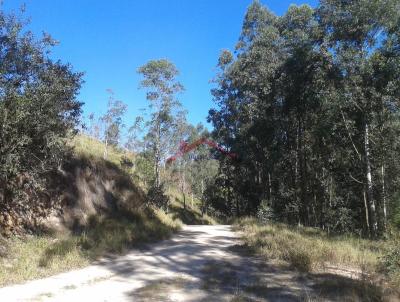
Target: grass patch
35 257
192 214
104 209
308 248
312 250
90 147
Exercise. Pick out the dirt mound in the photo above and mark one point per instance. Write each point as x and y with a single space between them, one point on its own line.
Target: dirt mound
85 186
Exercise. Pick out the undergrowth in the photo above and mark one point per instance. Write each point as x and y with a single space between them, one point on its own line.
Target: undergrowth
310 248
372 266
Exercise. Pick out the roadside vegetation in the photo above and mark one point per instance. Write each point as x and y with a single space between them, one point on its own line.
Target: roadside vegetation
189 212
311 250
309 101
96 233
110 230
37 256
84 145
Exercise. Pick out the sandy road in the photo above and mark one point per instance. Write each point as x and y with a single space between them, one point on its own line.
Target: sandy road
198 264
183 256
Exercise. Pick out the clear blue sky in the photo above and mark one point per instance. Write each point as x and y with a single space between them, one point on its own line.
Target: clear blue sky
109 40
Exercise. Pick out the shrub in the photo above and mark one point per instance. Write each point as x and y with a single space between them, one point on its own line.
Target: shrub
299 259
265 212
391 260
156 197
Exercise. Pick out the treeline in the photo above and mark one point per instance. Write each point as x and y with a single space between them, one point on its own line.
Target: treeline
310 103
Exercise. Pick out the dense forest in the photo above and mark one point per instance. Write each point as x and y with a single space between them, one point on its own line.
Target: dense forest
310 103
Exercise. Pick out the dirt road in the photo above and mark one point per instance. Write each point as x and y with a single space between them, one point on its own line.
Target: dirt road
201 263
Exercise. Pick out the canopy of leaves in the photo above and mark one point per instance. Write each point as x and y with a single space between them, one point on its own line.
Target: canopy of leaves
310 102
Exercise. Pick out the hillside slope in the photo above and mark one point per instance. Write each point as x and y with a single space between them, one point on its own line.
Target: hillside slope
102 210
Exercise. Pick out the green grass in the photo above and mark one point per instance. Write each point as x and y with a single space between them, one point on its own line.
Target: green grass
35 257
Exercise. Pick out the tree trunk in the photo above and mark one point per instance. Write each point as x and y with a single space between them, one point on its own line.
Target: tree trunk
368 175
269 187
105 155
202 198
366 211
237 207
296 175
157 157
183 187
384 198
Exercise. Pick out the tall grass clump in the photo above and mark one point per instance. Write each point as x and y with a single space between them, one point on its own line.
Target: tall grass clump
309 248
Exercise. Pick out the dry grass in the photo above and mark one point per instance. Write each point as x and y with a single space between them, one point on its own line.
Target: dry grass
356 262
35 257
192 214
87 146
25 256
308 248
104 209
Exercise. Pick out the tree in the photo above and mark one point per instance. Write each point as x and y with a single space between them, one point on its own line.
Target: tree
202 166
360 57
134 143
309 102
112 120
39 111
159 80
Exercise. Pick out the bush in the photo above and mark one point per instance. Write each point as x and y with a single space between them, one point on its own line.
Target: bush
156 197
390 262
299 259
265 212
395 210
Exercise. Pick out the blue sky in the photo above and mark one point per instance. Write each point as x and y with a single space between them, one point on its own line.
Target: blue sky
109 40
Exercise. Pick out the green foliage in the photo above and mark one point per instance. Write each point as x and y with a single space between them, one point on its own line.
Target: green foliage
265 213
156 196
395 211
112 120
38 112
391 260
190 213
310 104
159 80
